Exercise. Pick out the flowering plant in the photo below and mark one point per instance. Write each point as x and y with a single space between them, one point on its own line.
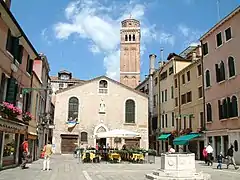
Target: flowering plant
10 110
27 116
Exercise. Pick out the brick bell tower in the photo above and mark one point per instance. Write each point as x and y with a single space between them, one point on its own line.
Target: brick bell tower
130 52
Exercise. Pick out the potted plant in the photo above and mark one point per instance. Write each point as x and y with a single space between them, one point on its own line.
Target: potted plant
151 156
27 116
9 110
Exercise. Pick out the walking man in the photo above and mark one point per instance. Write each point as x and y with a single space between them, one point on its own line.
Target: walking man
25 153
47 154
209 150
231 159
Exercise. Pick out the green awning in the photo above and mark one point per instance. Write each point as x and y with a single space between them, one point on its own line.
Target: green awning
163 136
183 140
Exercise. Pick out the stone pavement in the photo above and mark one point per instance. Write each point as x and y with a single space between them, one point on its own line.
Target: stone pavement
65 167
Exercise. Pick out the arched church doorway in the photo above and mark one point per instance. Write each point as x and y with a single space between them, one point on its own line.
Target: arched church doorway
102 141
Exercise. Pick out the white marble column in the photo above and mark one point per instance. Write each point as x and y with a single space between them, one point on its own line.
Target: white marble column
222 145
2 148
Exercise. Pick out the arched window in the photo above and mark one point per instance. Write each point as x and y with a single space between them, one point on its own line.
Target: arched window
126 37
73 105
222 71
134 37
84 136
234 106
103 87
231 67
130 37
130 111
207 78
225 109
209 112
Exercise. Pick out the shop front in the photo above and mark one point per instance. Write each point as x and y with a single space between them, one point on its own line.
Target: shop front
11 136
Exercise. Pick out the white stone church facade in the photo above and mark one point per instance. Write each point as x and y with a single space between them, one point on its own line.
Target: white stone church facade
97 105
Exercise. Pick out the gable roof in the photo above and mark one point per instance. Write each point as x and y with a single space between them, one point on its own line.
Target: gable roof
98 78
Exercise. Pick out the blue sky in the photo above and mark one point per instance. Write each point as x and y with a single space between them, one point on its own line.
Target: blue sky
83 36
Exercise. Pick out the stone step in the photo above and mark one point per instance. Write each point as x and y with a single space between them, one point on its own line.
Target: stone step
151 176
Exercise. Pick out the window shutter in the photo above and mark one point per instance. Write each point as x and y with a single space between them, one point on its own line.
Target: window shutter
229 107
9 41
220 110
20 54
217 73
12 91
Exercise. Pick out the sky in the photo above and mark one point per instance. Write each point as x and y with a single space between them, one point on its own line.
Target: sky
83 36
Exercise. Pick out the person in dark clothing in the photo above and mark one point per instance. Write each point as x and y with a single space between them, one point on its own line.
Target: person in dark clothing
220 158
231 159
25 153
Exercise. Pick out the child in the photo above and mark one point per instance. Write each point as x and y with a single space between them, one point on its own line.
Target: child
220 158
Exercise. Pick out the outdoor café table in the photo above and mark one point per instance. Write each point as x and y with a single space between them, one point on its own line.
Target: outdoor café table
115 156
92 156
138 157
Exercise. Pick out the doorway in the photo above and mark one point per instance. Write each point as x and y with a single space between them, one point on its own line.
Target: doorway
201 146
102 142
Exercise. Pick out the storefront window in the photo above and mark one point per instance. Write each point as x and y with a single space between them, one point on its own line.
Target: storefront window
9 150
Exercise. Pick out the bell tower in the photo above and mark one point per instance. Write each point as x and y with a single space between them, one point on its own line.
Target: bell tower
130 52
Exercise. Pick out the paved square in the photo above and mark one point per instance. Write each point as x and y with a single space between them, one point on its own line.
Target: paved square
65 167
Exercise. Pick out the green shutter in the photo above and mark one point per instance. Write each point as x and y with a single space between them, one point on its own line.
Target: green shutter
15 47
12 91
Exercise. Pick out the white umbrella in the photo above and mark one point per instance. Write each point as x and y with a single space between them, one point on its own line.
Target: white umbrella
118 133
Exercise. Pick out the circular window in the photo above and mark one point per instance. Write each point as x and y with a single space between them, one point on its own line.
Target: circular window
236 145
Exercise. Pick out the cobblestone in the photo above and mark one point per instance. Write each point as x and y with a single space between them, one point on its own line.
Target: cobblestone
67 168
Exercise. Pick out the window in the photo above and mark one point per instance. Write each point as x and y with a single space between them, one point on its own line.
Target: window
73 105
154 100
220 72
234 106
170 70
130 111
176 102
163 75
190 121
162 96
172 93
188 76
162 121
189 96
207 78
36 106
130 37
166 120
61 85
205 49
103 87
202 120
173 119
183 79
199 69
209 112
126 38
133 37
165 94
228 34
84 136
3 87
12 91
231 67
184 123
183 98
175 83
156 81
29 66
200 92
219 39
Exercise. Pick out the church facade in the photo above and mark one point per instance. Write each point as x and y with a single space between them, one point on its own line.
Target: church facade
99 105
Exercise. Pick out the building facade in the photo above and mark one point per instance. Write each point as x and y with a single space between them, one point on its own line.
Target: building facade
167 99
63 80
17 55
189 106
99 105
221 83
130 53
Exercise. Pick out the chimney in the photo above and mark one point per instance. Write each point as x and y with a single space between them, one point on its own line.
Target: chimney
152 58
161 54
8 3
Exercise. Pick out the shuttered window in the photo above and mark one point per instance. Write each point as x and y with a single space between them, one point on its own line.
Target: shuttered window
130 111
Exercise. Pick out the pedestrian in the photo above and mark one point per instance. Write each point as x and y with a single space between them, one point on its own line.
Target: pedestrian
220 158
231 160
25 153
47 154
209 150
205 154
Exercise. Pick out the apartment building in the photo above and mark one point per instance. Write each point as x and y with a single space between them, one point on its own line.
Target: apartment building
221 83
17 55
174 64
149 86
189 106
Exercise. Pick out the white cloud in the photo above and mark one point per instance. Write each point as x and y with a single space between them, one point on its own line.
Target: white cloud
45 36
190 35
100 23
